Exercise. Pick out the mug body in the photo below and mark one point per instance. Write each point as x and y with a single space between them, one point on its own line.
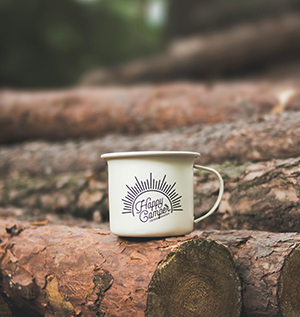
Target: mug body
151 193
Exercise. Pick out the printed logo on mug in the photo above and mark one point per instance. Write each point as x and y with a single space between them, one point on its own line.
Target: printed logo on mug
151 199
151 193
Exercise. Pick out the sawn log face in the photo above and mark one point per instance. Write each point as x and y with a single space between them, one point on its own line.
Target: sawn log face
58 269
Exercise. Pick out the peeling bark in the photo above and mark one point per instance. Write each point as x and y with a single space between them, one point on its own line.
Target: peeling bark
90 113
58 269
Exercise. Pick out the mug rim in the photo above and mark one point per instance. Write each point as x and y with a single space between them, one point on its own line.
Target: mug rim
114 155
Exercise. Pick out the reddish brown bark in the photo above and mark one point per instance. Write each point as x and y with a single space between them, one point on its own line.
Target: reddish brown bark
58 269
269 137
260 258
91 113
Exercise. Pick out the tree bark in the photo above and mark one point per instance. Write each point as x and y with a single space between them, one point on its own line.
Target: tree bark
266 266
61 271
268 137
257 196
81 195
236 50
261 196
91 113
67 270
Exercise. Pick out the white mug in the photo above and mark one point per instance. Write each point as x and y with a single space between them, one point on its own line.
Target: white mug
151 193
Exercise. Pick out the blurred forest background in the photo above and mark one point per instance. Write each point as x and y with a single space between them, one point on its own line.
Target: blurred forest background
53 43
50 43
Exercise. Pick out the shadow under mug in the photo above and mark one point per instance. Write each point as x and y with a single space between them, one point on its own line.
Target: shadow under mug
151 193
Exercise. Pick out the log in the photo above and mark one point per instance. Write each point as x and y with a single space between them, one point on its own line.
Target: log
257 196
194 280
269 281
193 16
262 196
239 49
268 137
59 269
36 198
91 113
288 282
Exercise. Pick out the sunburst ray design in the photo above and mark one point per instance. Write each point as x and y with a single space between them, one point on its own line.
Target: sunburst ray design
148 185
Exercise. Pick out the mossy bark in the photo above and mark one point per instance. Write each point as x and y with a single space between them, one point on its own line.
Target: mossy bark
257 196
82 195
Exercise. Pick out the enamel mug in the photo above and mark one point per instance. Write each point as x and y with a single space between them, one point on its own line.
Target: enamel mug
151 193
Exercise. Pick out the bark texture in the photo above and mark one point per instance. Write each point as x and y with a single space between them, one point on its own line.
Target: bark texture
32 198
257 196
234 50
262 196
261 259
90 113
268 137
67 270
59 271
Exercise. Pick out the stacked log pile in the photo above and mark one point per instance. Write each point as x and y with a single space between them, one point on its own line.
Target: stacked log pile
241 261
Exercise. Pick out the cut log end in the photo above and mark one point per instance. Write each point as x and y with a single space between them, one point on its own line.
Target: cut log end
289 285
196 279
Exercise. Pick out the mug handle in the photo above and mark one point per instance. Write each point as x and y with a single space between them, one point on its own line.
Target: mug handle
221 190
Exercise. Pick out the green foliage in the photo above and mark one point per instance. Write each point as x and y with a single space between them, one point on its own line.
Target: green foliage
50 43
